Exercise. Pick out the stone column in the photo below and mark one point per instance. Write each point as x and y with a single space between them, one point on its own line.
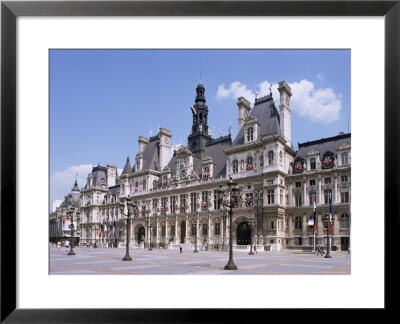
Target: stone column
209 227
177 232
336 226
304 230
320 230
304 193
290 222
158 230
319 195
336 189
187 228
166 230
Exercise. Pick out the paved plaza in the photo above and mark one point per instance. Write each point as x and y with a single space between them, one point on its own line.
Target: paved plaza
107 261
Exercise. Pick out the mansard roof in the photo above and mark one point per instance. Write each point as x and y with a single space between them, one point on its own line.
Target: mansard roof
323 145
267 117
151 154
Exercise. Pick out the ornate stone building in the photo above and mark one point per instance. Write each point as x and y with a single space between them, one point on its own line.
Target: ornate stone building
175 190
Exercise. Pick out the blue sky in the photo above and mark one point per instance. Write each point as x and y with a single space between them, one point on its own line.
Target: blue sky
102 100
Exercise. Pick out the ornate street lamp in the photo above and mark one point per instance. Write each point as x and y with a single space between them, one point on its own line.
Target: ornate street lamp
252 221
95 230
194 223
131 206
328 245
70 212
149 226
232 195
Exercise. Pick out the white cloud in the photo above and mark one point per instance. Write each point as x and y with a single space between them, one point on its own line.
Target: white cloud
61 182
320 105
317 104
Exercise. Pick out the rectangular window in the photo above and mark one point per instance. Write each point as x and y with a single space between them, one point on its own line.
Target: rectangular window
311 241
298 184
344 178
281 196
270 196
217 205
172 203
193 202
193 229
272 225
155 203
163 230
312 195
217 229
249 200
344 197
163 205
327 194
345 158
182 207
204 200
327 180
172 233
204 229
312 164
298 200
312 182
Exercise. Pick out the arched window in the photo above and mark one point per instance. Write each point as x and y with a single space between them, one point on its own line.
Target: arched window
144 184
270 157
250 132
235 166
241 165
154 184
136 186
280 158
261 160
298 222
344 221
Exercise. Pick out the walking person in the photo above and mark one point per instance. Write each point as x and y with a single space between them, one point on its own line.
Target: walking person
66 246
320 251
180 248
255 248
348 252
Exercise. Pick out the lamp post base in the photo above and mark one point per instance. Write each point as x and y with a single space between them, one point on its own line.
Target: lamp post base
230 266
71 252
327 256
251 253
127 258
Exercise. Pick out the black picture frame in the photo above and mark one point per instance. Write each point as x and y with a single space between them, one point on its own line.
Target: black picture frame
10 10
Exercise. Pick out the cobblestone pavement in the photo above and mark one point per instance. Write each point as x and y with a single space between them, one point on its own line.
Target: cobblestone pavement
107 261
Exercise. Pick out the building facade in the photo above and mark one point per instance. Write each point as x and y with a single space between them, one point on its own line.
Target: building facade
176 190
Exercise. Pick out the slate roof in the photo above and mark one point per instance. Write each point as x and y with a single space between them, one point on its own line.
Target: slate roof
267 117
127 168
151 154
99 173
323 145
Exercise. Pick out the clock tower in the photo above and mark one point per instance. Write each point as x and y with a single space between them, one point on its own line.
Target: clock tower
199 137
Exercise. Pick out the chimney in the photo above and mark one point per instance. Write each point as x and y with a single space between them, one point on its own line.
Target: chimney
143 141
244 109
285 112
111 175
165 147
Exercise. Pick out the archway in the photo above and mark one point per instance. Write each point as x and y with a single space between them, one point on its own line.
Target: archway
183 232
243 234
141 234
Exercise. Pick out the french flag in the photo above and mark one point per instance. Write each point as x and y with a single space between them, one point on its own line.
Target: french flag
195 110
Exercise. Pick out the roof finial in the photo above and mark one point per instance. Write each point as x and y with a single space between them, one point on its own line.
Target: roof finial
270 89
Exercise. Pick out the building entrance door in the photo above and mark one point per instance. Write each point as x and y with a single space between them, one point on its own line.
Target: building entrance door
344 243
141 234
183 231
243 234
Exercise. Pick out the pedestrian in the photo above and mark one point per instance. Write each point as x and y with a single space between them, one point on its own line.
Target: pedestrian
180 248
58 244
160 246
320 251
348 252
255 248
66 246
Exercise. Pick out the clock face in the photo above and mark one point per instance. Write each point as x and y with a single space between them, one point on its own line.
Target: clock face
183 175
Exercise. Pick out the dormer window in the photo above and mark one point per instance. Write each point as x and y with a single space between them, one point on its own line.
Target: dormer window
206 173
313 164
249 133
165 181
270 157
345 158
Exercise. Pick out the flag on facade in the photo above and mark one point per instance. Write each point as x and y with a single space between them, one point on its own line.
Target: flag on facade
330 215
315 217
195 110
